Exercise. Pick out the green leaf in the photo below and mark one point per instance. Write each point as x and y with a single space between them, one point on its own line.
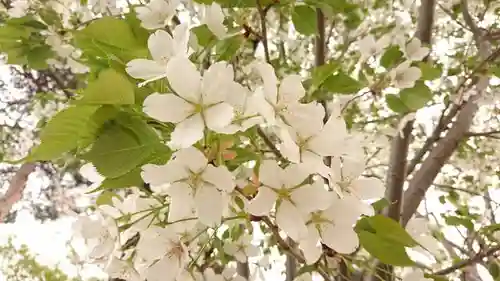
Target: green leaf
105 198
130 179
304 19
384 250
391 231
110 88
204 36
228 47
391 57
62 132
396 104
117 151
37 57
342 83
430 72
457 221
379 205
416 97
321 73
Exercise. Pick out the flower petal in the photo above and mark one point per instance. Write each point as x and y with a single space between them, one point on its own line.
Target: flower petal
311 198
294 175
291 89
191 158
167 108
263 202
368 188
310 246
291 221
341 238
214 18
184 78
220 177
160 45
270 174
181 37
146 69
187 132
217 82
209 205
268 76
218 116
182 202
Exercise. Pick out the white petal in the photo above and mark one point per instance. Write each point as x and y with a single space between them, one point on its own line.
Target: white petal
271 174
161 174
214 17
291 221
291 89
192 158
341 238
167 108
218 116
429 243
264 108
263 202
306 119
368 188
184 78
209 205
181 36
310 246
220 177
157 271
288 147
294 174
187 132
160 46
311 198
217 82
268 76
182 202
146 69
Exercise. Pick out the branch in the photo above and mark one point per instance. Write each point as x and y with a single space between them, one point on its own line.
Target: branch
468 262
16 188
263 25
440 154
492 134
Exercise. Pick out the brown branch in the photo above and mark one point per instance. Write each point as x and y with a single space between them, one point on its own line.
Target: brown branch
263 25
468 262
15 191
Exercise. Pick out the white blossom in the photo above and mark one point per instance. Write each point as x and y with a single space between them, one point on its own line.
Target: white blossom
419 230
404 76
162 47
199 102
416 275
193 184
99 233
241 248
122 269
294 201
19 8
157 13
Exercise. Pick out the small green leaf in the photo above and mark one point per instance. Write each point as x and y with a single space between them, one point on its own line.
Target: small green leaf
321 73
416 97
379 205
105 198
62 132
228 47
110 88
342 83
395 103
391 231
384 250
457 221
304 19
130 179
204 36
391 57
430 72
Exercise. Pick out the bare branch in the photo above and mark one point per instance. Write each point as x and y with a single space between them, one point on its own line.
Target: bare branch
471 261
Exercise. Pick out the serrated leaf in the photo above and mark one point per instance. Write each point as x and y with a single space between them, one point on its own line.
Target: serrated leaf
391 57
384 250
110 88
416 97
63 131
304 19
391 230
342 83
118 151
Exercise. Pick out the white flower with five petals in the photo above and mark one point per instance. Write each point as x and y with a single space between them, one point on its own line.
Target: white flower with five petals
242 248
294 201
334 227
199 102
162 47
419 230
415 51
193 184
404 75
